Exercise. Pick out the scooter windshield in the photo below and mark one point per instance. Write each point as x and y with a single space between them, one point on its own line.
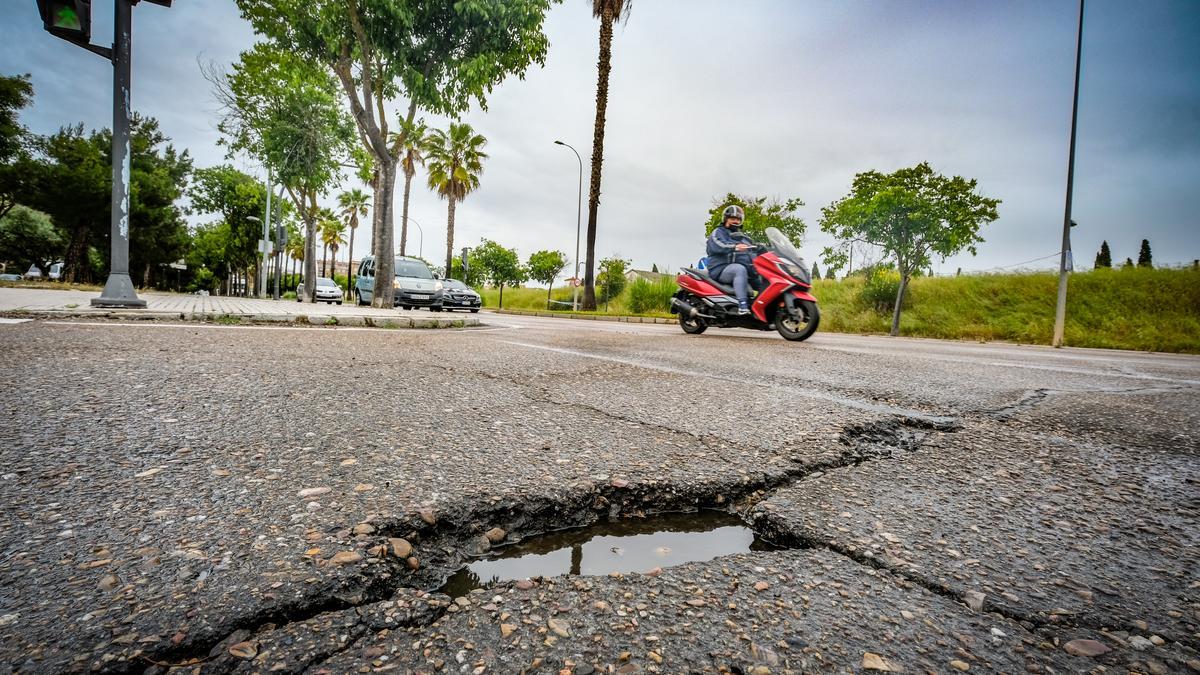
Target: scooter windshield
783 247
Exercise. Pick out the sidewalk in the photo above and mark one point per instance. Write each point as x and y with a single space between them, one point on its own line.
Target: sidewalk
38 302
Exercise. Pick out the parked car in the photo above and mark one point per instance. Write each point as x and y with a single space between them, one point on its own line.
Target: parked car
326 291
10 277
414 285
457 295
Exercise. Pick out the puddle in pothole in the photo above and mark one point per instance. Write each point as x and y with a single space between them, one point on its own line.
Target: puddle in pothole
625 545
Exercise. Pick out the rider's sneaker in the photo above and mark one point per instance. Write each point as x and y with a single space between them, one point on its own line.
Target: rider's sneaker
742 311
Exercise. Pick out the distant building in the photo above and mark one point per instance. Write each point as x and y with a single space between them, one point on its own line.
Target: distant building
633 275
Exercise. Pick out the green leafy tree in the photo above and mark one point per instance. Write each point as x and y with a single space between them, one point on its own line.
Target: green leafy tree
1104 257
283 109
544 266
438 56
207 258
816 273
16 93
454 160
1128 264
910 215
498 266
352 205
333 235
1145 258
159 177
608 12
761 213
412 153
71 181
471 276
28 237
612 277
236 197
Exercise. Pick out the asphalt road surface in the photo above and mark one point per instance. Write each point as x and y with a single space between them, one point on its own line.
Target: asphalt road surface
263 499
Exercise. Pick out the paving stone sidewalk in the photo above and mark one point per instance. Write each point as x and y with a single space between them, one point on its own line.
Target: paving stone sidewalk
38 302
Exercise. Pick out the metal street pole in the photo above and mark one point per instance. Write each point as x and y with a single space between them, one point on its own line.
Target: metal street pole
279 234
1060 312
578 212
266 229
421 241
118 290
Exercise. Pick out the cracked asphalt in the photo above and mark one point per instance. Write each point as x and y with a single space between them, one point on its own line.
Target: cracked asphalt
258 499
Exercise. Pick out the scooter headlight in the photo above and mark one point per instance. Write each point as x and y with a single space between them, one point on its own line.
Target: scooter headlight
793 271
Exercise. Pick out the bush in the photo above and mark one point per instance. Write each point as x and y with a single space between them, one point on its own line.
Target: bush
646 296
880 289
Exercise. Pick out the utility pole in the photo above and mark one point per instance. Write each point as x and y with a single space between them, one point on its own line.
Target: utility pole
1060 311
71 20
264 245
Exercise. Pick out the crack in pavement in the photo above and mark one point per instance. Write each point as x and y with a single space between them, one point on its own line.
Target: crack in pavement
944 421
1034 397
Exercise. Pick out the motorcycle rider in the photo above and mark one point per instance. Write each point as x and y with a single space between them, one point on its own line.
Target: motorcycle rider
730 256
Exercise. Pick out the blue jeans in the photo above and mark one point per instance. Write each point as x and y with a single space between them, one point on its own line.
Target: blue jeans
735 274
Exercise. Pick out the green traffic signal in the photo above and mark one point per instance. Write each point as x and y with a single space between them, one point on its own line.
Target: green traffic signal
66 17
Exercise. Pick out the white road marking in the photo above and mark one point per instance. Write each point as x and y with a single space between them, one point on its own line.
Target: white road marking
6 320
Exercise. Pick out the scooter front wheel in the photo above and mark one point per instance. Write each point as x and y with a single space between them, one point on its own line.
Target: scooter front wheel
792 328
692 325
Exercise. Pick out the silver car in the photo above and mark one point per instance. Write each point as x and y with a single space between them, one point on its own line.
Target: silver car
326 291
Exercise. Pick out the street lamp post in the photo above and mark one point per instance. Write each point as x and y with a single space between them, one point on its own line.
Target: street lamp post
421 241
578 211
1064 260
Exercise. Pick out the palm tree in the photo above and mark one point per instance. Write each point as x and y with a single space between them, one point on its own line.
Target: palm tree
412 153
333 234
294 247
454 160
608 11
351 205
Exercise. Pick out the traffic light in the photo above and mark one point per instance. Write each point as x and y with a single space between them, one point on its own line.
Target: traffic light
70 20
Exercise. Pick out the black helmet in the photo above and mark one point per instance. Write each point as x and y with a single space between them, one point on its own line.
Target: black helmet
733 211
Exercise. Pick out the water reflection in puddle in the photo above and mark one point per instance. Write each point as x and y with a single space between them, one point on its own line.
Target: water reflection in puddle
627 545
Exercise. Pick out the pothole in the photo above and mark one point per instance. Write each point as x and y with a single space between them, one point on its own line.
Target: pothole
626 545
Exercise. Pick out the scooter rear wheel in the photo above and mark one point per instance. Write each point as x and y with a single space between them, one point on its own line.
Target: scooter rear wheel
791 328
692 325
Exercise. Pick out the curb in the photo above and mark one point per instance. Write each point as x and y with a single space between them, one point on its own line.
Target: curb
587 317
249 319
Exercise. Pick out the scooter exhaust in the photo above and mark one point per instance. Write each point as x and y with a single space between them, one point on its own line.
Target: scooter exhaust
684 308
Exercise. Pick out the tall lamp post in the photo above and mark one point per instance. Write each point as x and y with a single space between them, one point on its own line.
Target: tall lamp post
1060 310
421 241
578 211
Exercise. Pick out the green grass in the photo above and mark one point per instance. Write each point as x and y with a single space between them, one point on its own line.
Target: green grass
1139 309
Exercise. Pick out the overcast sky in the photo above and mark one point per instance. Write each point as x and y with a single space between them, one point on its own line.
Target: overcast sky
785 98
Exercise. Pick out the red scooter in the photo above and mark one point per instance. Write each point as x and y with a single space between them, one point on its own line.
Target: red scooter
785 304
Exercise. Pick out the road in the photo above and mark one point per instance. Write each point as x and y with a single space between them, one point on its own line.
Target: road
234 498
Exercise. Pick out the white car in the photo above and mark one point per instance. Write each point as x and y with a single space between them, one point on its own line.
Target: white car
326 291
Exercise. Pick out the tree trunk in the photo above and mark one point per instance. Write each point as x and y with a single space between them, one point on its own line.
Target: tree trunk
310 253
376 193
501 296
548 296
408 176
385 253
604 68
324 258
450 238
350 261
899 301
76 255
146 276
